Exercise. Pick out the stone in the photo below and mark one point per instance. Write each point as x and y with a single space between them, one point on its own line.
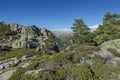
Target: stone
105 54
29 32
34 72
15 27
26 64
6 65
27 56
1 66
111 44
85 60
113 62
24 57
16 62
6 75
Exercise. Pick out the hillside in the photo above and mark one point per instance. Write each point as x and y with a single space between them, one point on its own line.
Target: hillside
81 63
29 52
77 63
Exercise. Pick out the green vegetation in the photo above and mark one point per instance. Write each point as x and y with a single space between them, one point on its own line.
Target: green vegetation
68 66
81 33
16 37
4 30
18 53
33 66
18 75
49 43
109 30
79 61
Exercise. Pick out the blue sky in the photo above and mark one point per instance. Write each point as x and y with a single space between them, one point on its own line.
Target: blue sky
56 14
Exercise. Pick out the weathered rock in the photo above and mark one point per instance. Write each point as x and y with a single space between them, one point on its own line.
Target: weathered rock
85 60
16 27
33 37
6 75
29 32
113 62
1 66
16 62
8 64
105 54
26 64
111 44
34 72
1 62
30 37
24 57
27 56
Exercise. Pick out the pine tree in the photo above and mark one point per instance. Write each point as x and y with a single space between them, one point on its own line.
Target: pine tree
80 32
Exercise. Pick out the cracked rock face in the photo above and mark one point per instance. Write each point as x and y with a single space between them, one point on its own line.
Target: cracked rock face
30 37
16 27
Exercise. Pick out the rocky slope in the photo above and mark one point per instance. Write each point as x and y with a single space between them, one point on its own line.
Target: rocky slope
82 63
28 37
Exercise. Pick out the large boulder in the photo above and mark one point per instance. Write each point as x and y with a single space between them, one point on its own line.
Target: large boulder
111 44
1 66
105 54
113 62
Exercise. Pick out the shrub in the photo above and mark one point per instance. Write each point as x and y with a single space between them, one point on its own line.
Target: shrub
5 30
33 66
86 49
18 53
18 74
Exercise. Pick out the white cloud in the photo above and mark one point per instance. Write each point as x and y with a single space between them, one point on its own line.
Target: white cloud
65 29
59 32
94 27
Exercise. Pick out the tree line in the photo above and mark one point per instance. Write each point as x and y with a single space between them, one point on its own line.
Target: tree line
108 30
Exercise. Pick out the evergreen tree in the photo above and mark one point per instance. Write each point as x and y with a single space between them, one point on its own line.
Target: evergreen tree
80 32
109 30
111 19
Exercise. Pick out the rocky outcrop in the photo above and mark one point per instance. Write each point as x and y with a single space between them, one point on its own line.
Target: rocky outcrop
6 75
34 72
105 54
8 64
113 62
111 44
30 37
16 28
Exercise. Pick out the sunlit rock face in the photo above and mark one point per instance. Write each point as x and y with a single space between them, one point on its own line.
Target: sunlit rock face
30 37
